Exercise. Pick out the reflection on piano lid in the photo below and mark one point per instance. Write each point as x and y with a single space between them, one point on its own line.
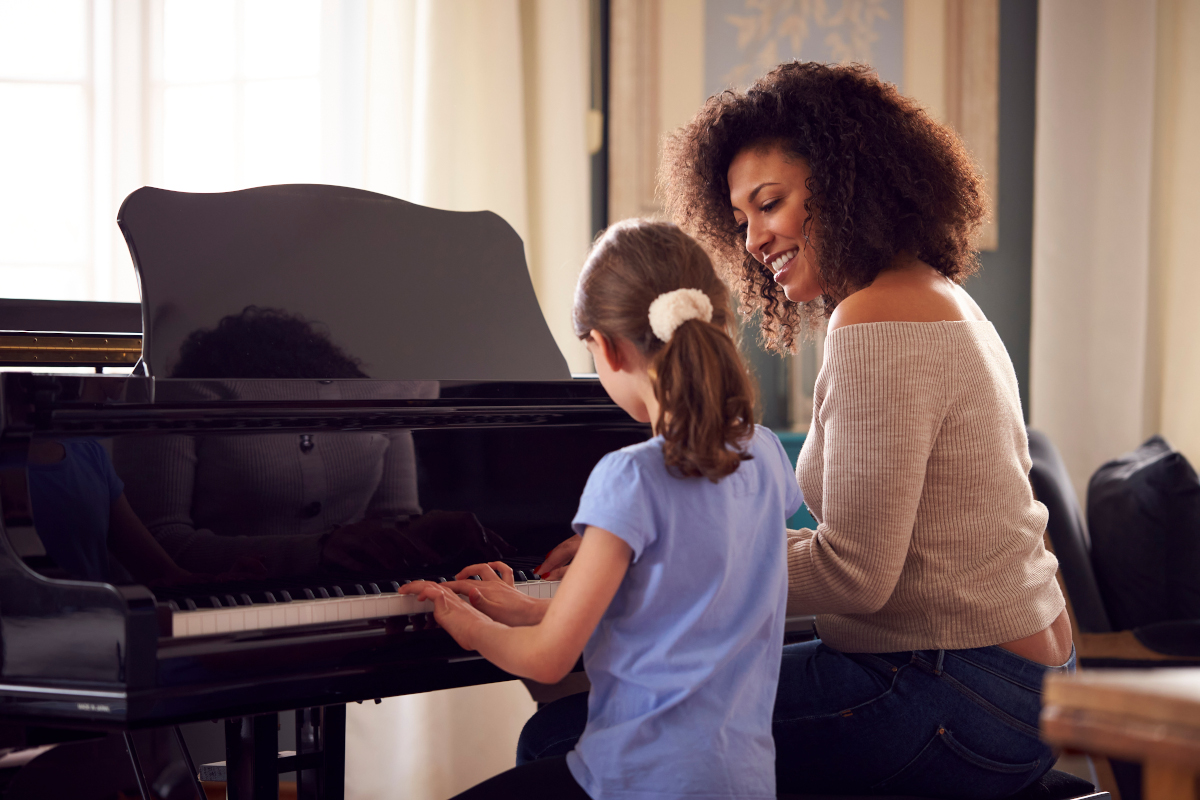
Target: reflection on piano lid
407 292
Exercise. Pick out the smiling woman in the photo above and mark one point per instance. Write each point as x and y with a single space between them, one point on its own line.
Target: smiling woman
823 193
777 225
883 178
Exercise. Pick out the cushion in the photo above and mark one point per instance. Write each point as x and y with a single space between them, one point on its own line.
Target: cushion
1143 512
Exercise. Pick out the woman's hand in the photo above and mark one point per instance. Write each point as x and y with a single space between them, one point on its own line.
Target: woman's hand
558 559
494 594
452 612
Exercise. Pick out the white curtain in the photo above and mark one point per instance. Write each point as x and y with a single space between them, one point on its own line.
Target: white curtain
1116 268
474 104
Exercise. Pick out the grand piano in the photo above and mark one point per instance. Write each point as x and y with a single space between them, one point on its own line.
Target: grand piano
337 392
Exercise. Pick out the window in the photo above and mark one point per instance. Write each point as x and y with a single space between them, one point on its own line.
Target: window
237 94
47 149
100 97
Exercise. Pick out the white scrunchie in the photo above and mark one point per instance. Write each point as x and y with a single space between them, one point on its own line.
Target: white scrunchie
671 309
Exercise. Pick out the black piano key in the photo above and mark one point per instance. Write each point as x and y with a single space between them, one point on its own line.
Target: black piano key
475 578
359 590
337 592
189 603
231 601
396 586
270 597
441 579
171 604
285 595
519 575
246 601
373 588
216 603
323 593
308 595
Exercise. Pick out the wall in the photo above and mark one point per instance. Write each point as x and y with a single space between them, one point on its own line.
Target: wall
1173 354
1003 287
1091 263
1004 283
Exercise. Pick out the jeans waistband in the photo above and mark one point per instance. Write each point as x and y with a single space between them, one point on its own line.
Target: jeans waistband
994 659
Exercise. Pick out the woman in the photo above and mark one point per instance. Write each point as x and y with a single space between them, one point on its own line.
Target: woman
825 194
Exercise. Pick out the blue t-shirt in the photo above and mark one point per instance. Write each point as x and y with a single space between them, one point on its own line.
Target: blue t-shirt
684 663
72 501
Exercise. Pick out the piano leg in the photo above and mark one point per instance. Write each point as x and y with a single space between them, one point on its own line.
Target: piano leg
143 786
191 765
334 752
252 757
308 742
321 744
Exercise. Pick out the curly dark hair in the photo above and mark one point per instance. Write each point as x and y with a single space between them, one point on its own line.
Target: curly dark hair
263 343
886 179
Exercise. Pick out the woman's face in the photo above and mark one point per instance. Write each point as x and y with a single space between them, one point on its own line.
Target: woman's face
767 190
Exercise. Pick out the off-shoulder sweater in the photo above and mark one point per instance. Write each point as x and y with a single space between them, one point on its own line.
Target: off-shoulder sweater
916 469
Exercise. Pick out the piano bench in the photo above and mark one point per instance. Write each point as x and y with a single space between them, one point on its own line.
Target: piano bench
1054 785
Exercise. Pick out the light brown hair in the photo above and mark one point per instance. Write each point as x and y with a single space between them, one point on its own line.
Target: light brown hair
705 394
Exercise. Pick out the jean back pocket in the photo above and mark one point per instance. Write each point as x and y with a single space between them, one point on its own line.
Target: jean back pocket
947 768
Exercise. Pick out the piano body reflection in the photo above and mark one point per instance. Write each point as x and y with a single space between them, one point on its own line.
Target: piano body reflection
338 392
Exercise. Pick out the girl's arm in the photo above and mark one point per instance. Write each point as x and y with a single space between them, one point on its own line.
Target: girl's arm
547 651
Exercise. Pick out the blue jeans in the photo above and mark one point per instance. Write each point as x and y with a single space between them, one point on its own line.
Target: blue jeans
937 723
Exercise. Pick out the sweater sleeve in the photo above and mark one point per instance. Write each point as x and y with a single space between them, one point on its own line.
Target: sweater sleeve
880 406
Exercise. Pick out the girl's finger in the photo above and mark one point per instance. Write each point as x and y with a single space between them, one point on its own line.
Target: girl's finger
505 571
432 592
483 571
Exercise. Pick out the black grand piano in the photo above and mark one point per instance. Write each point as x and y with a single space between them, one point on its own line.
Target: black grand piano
338 392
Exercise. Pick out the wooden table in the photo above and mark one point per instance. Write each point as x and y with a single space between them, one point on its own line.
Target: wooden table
1151 716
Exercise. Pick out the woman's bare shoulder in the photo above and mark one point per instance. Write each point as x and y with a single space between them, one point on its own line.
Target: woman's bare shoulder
911 294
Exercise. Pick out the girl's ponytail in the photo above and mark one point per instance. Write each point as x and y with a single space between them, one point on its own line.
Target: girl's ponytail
705 394
706 404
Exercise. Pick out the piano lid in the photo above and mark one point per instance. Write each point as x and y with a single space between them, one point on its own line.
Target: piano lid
344 282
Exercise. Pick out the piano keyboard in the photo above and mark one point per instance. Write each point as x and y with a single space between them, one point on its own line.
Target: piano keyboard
318 611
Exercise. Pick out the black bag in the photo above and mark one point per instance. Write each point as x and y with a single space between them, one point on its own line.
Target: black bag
1143 512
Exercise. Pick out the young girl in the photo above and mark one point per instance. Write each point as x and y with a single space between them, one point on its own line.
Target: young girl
676 597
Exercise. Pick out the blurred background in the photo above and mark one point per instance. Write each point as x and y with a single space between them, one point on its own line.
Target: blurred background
1081 114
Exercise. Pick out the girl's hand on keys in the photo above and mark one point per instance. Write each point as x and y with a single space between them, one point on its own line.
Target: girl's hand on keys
497 598
491 571
452 612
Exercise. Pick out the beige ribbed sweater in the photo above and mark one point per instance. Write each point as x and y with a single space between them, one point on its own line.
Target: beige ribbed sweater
916 469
